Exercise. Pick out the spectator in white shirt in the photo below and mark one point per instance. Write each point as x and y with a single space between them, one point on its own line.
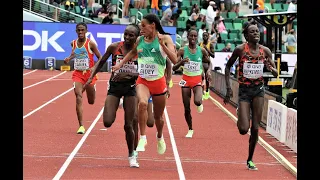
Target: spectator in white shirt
292 5
291 8
211 14
201 31
236 6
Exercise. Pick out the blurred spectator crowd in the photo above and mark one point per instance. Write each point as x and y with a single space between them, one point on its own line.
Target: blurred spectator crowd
217 17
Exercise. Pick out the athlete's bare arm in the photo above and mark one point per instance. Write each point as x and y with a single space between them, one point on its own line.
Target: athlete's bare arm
235 54
169 49
95 49
270 63
67 59
129 56
168 71
110 50
211 52
180 60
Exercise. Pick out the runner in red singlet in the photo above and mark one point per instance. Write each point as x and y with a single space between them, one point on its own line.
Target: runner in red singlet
122 84
83 51
252 57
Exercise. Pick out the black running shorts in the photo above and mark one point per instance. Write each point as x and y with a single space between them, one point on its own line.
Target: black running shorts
120 89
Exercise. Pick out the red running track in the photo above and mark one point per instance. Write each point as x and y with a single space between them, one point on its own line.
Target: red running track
216 151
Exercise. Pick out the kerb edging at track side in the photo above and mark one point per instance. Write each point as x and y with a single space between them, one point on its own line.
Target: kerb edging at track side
264 144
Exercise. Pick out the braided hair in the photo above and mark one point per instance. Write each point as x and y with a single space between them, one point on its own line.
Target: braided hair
246 26
137 28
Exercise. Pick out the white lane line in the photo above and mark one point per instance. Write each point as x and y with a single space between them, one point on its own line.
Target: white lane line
44 80
263 143
30 72
43 105
174 147
76 149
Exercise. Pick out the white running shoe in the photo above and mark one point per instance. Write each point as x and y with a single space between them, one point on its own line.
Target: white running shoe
133 162
200 108
190 133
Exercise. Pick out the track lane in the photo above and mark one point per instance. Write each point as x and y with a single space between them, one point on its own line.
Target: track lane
50 133
217 147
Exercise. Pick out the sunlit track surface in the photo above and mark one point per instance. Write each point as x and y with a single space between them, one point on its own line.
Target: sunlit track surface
216 151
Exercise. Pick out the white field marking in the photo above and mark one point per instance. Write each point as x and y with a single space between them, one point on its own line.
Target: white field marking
30 72
174 147
263 143
76 149
44 80
43 105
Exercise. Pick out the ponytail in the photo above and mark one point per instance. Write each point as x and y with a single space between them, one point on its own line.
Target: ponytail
152 18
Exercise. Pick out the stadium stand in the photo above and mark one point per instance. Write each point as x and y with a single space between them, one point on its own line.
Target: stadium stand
98 11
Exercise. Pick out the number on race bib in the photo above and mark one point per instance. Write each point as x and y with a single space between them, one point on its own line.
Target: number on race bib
81 64
252 71
192 66
182 82
148 70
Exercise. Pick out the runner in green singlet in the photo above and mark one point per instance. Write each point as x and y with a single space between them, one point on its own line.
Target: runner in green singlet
153 48
192 57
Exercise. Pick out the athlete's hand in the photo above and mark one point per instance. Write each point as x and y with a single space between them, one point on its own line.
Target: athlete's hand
161 39
120 76
168 93
228 96
268 65
185 60
86 84
115 68
67 60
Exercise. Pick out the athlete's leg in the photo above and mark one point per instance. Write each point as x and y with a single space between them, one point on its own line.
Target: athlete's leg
197 91
197 99
150 121
257 108
159 103
91 89
206 68
91 93
129 107
143 95
243 122
110 109
78 93
186 96
135 125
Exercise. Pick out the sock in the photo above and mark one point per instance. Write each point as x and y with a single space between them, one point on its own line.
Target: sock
143 136
159 138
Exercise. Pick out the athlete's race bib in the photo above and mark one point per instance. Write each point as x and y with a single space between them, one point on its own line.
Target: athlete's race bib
148 70
252 71
182 82
128 67
192 66
81 64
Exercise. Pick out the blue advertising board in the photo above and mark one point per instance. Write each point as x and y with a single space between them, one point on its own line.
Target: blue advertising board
49 39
